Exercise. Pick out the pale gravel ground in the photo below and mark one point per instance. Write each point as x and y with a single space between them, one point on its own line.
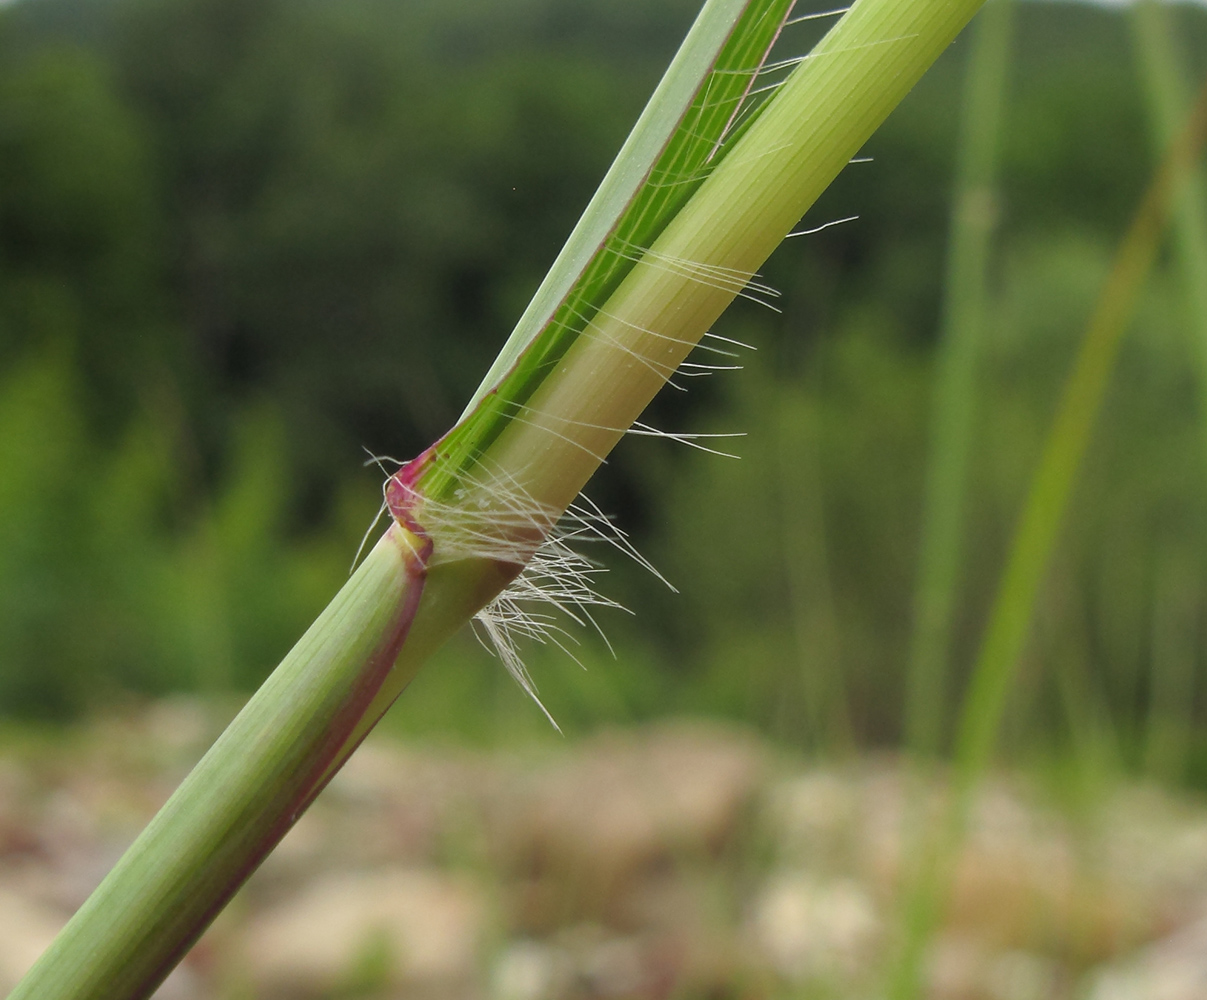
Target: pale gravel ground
673 860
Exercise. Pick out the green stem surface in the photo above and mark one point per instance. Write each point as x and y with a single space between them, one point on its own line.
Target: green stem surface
241 798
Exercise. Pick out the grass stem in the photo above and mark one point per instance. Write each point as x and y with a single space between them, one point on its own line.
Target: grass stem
1035 537
973 218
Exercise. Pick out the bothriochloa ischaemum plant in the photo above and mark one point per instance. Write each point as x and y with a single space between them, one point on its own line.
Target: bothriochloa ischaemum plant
728 155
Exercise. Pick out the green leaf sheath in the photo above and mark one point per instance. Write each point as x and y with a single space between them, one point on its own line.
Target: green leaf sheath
241 798
704 256
673 147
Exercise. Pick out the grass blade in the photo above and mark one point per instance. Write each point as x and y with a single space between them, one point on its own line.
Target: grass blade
1036 534
675 144
973 219
578 394
1164 72
1166 82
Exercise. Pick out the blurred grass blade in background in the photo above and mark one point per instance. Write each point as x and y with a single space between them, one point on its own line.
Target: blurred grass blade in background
1065 448
1165 74
973 220
547 414
1035 538
1164 70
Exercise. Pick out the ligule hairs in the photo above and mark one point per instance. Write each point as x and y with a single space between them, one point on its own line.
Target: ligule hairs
492 517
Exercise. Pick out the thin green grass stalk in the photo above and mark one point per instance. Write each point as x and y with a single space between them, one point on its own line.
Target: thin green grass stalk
688 213
1164 69
973 218
1035 538
970 236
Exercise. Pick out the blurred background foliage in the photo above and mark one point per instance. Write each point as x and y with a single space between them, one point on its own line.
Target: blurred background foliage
241 240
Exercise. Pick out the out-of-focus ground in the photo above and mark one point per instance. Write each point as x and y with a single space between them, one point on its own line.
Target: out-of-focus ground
679 859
